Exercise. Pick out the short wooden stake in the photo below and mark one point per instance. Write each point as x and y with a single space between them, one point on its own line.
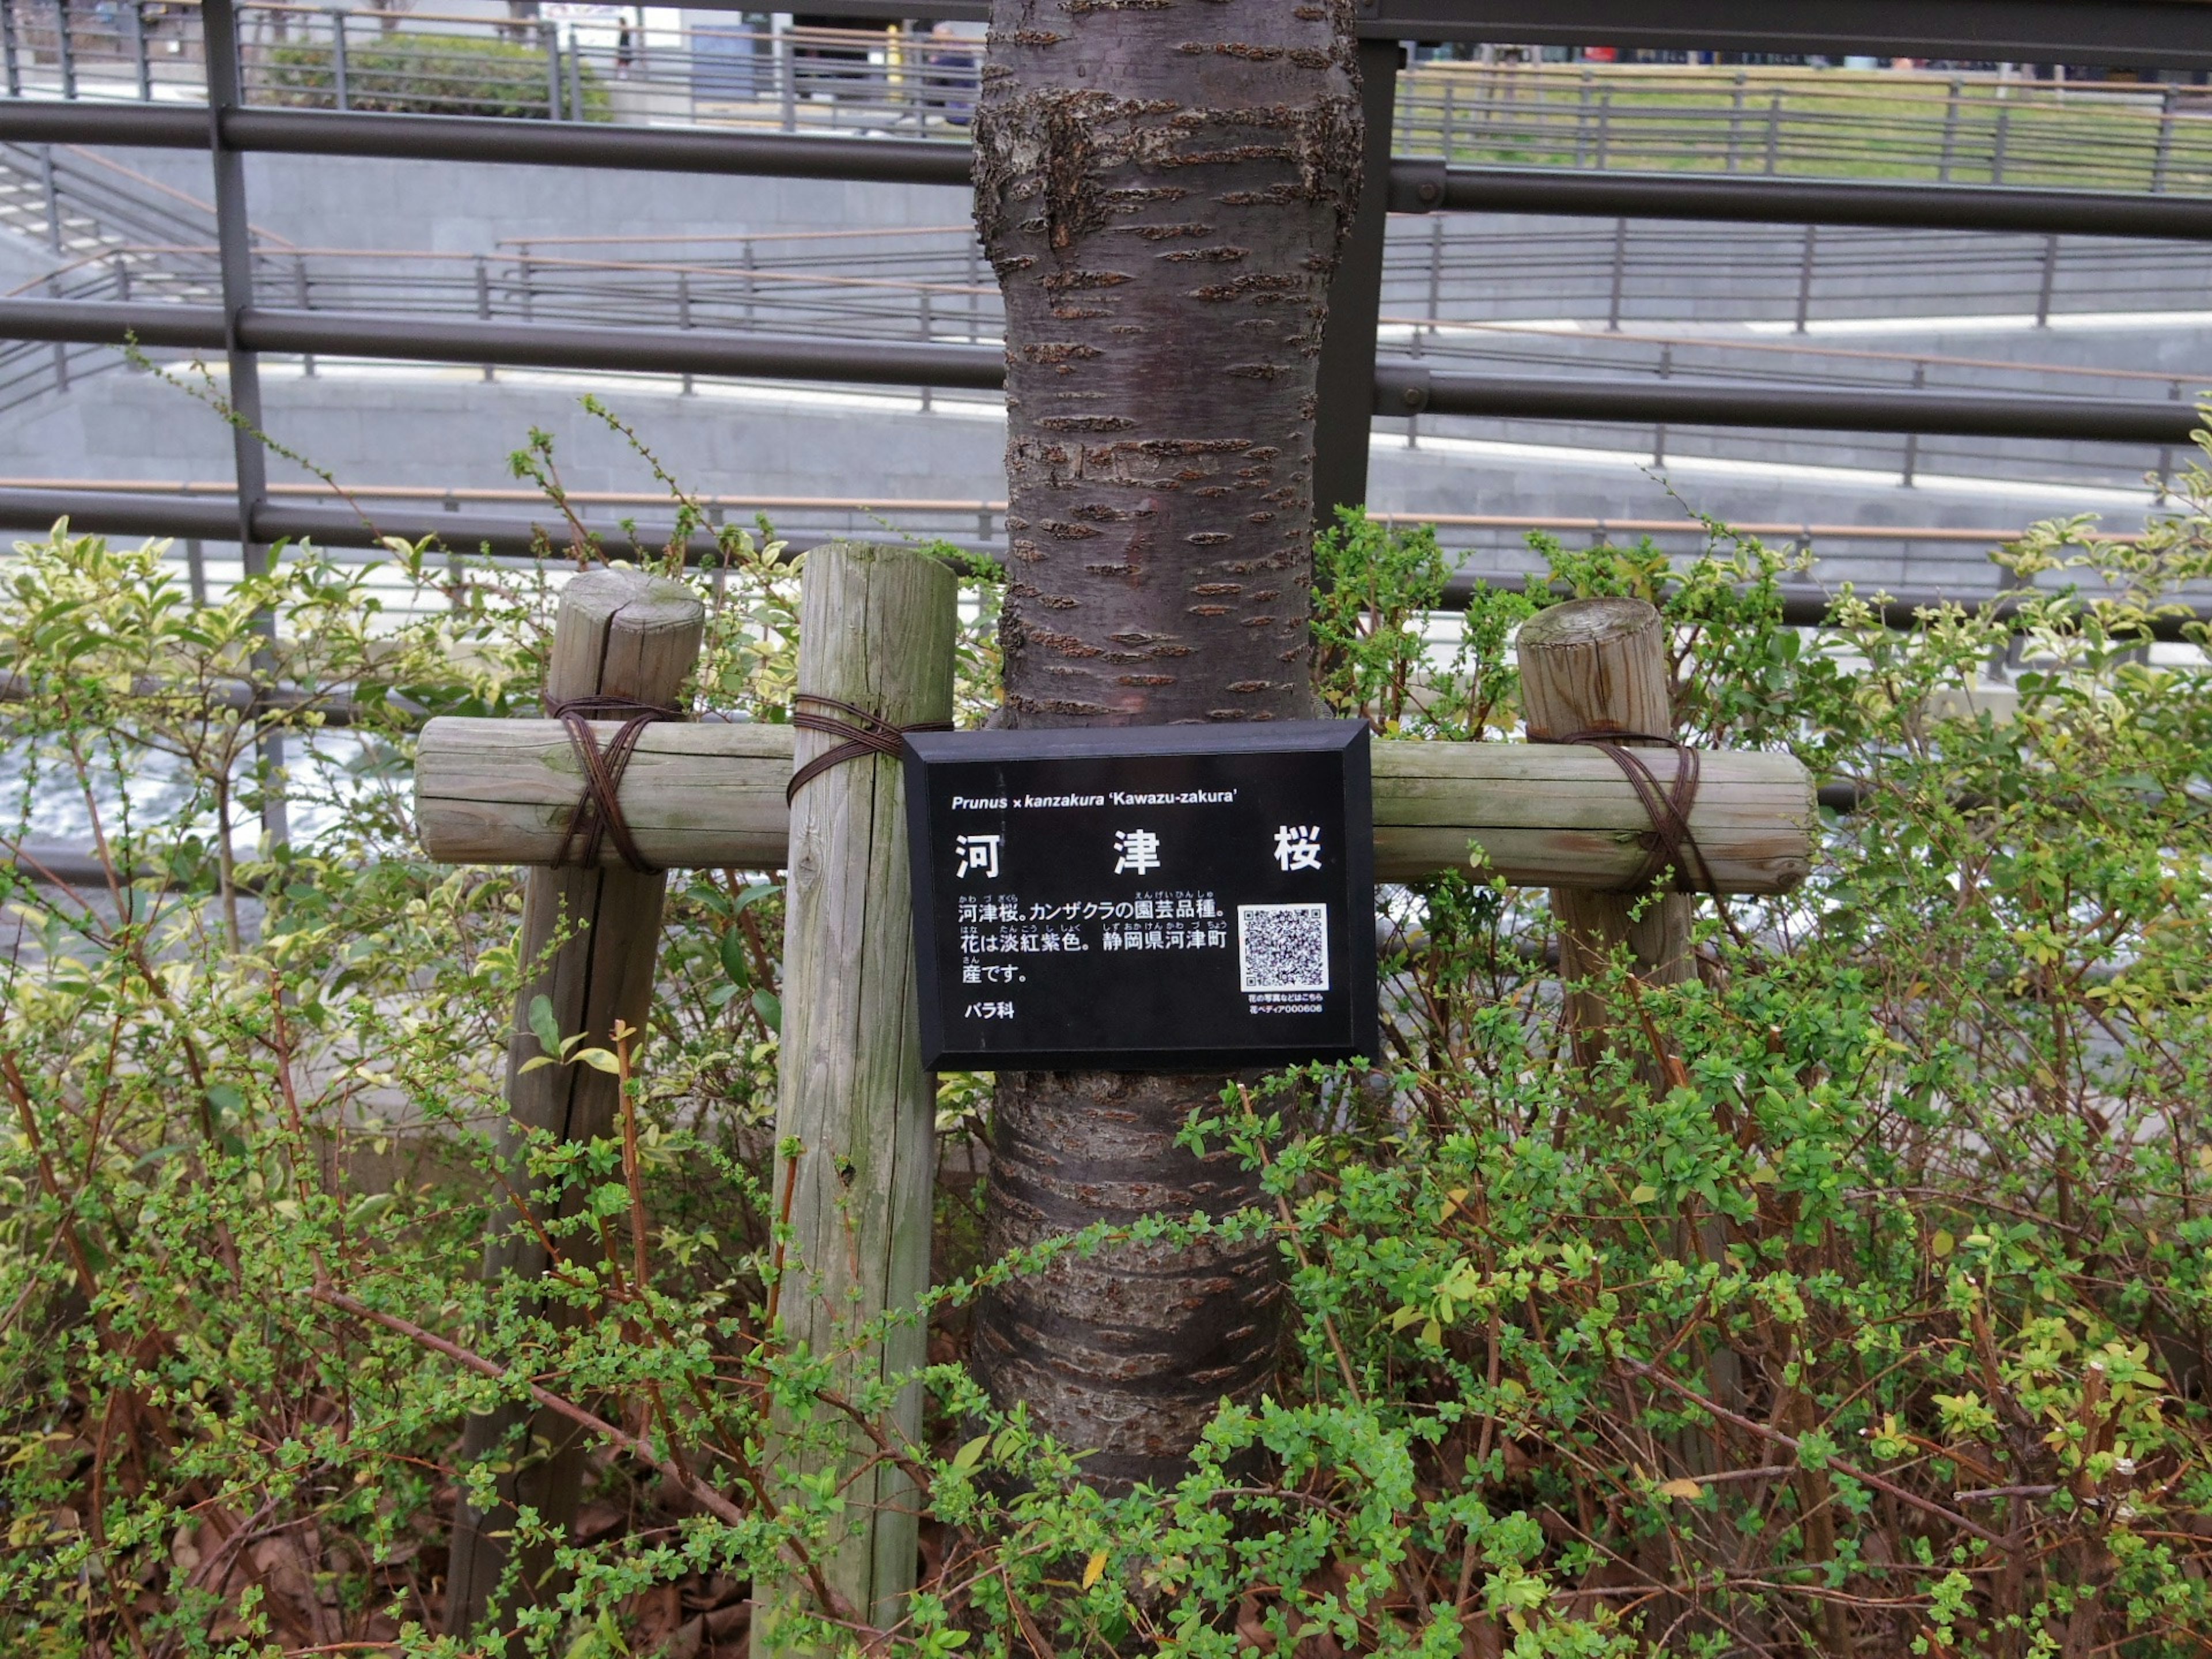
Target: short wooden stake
617 632
1601 666
876 631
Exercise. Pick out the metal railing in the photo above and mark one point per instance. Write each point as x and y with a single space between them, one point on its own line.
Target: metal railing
1970 128
1452 295
504 524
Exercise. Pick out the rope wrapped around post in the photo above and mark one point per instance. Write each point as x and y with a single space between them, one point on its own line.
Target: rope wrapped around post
597 812
1670 843
865 734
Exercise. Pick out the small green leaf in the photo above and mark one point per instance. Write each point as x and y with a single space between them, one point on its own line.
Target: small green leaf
599 1058
543 1023
769 1007
533 1063
1643 1193
733 956
966 1458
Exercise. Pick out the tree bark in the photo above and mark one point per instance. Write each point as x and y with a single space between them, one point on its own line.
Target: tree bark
1161 186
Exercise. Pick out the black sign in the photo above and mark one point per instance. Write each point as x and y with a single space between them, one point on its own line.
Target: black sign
1150 898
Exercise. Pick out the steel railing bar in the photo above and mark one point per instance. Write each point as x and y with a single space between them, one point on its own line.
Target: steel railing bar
119 513
1409 388
1402 387
1417 185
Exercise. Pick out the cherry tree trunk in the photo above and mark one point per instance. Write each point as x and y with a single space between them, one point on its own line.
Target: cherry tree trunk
1161 186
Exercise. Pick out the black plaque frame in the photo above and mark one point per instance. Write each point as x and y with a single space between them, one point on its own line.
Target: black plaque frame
1346 739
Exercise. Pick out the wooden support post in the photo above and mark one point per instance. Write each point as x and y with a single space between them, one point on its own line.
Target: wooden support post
876 631
617 634
1601 666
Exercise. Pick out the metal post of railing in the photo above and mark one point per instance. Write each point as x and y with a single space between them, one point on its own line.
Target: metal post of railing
1997 144
684 315
139 62
926 324
340 67
196 570
1343 428
2050 279
233 236
65 48
576 110
975 284
483 305
526 278
300 297
119 270
549 37
1773 133
2165 453
787 71
753 284
1619 275
53 196
1659 431
9 61
2165 154
1805 276
1912 439
1436 271
1582 114
1446 119
61 349
1735 121
1950 131
1604 126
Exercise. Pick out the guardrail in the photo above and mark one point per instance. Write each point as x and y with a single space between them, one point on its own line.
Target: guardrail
920 284
1981 127
510 534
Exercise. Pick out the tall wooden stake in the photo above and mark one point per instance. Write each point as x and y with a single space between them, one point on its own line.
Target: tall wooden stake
1601 666
620 634
876 631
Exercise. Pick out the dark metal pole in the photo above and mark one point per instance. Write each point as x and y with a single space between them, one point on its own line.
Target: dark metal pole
1347 382
53 196
233 236
15 71
65 48
138 59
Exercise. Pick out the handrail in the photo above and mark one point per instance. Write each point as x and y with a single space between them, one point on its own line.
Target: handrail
1987 534
1842 353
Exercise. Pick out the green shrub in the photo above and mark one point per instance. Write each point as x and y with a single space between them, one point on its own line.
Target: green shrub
408 72
1878 1325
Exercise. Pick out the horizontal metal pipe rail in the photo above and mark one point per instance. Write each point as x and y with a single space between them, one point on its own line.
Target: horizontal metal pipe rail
1408 388
1402 387
1424 186
116 513
492 138
1416 185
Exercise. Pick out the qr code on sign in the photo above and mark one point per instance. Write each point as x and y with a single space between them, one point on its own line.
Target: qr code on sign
1284 947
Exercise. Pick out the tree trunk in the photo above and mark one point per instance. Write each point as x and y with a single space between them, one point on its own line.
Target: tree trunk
1161 186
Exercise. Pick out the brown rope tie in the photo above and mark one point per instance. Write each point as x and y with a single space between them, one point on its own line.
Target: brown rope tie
1668 843
864 734
598 812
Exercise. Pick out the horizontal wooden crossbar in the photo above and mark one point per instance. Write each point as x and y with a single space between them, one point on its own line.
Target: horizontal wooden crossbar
711 796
